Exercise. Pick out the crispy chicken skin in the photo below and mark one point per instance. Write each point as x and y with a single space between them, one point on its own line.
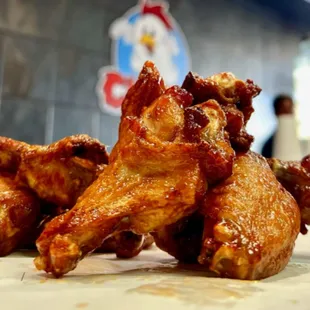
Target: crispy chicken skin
251 222
295 177
10 151
70 166
19 209
234 96
156 172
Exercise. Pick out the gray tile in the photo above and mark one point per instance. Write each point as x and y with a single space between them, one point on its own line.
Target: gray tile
2 39
201 18
184 14
49 124
84 25
119 6
106 43
71 121
23 121
29 69
34 17
109 130
203 60
77 77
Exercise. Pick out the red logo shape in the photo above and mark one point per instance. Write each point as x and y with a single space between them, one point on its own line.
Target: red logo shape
113 89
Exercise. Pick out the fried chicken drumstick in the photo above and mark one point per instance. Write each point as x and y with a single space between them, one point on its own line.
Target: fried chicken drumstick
157 173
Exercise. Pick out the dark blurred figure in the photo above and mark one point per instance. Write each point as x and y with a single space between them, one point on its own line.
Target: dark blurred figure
282 104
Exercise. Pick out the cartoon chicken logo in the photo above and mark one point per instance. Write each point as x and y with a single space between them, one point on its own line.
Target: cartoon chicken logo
145 32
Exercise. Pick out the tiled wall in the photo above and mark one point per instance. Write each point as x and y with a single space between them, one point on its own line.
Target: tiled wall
51 51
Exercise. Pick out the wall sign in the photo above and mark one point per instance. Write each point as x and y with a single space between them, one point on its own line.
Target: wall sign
145 32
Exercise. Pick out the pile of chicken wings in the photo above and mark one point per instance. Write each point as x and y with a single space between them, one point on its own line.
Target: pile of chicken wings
182 174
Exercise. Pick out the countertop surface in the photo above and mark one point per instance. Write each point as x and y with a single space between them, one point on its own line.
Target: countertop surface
153 280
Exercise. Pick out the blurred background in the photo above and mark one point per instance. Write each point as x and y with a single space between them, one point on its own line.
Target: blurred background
51 52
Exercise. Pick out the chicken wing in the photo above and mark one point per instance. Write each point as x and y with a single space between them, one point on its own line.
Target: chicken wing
295 177
70 166
251 222
157 173
57 173
19 209
234 96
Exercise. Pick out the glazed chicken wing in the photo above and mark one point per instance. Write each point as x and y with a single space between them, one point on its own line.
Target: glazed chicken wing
19 209
234 96
157 173
43 181
58 172
295 177
70 166
251 222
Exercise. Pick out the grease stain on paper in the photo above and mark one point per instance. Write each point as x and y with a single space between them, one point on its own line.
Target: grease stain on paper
82 305
199 290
